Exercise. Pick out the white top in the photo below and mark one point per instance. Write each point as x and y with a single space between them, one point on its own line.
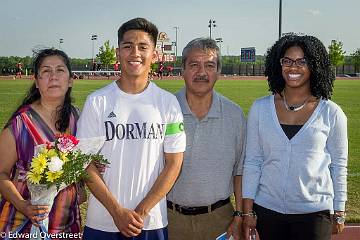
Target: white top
138 129
304 174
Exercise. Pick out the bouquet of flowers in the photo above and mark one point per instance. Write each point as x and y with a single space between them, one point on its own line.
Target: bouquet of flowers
63 162
58 164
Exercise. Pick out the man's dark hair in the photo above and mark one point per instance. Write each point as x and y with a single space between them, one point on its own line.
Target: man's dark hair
33 94
317 58
138 24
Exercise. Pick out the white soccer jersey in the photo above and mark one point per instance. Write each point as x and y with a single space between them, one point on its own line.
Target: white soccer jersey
138 129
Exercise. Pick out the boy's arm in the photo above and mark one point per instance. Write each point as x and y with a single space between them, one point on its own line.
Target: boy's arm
163 184
127 221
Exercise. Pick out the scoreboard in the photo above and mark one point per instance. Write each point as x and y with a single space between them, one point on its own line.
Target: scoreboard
248 54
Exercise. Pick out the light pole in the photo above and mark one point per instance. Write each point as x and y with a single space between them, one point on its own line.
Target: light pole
211 25
219 40
280 16
176 43
61 40
93 38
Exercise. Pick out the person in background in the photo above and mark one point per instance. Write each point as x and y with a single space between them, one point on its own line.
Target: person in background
18 69
144 142
199 204
116 67
161 70
294 182
170 69
46 110
98 65
94 66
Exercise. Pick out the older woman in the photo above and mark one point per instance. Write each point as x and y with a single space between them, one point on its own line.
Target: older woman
45 111
296 154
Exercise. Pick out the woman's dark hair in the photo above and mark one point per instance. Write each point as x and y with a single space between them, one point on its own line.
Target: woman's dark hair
318 61
63 112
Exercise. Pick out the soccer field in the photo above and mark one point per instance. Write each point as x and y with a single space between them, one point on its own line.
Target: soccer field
243 92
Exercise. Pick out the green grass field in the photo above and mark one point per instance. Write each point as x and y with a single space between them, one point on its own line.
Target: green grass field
243 92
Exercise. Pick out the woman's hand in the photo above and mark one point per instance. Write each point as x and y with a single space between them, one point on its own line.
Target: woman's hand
337 228
249 226
35 213
338 224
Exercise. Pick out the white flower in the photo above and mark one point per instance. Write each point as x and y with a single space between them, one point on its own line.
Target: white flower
55 164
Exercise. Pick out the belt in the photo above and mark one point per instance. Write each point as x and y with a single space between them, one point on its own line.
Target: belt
196 210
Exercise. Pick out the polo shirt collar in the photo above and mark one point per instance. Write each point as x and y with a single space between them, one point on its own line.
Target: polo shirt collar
214 112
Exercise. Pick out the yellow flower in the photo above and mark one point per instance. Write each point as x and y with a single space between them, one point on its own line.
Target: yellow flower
51 153
63 156
33 177
52 176
39 164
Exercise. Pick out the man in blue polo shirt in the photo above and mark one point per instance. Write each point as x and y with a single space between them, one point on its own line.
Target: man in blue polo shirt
198 204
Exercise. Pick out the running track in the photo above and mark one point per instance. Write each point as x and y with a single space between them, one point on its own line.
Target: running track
351 232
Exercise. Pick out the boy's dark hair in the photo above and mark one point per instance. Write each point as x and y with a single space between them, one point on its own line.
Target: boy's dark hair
138 24
33 94
321 74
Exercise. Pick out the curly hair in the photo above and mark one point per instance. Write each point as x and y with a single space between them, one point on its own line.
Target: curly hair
321 74
64 111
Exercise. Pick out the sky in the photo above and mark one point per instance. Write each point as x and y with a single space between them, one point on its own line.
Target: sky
31 24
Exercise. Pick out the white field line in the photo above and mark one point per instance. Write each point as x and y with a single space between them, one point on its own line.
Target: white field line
354 174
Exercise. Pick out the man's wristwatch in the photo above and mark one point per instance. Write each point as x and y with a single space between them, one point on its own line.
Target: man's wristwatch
339 218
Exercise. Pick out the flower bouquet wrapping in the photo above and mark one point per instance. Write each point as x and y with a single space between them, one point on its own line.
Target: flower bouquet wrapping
55 166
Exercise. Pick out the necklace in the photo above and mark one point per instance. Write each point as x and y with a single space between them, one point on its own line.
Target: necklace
294 108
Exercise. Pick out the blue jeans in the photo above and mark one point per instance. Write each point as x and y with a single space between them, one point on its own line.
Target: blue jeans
156 234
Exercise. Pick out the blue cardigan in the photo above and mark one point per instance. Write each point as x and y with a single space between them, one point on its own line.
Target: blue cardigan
302 175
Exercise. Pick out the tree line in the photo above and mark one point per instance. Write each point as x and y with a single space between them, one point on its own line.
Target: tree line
106 56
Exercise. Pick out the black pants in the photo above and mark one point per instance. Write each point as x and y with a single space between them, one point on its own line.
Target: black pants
272 225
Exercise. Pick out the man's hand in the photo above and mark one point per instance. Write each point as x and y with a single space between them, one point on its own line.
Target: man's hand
235 228
128 222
